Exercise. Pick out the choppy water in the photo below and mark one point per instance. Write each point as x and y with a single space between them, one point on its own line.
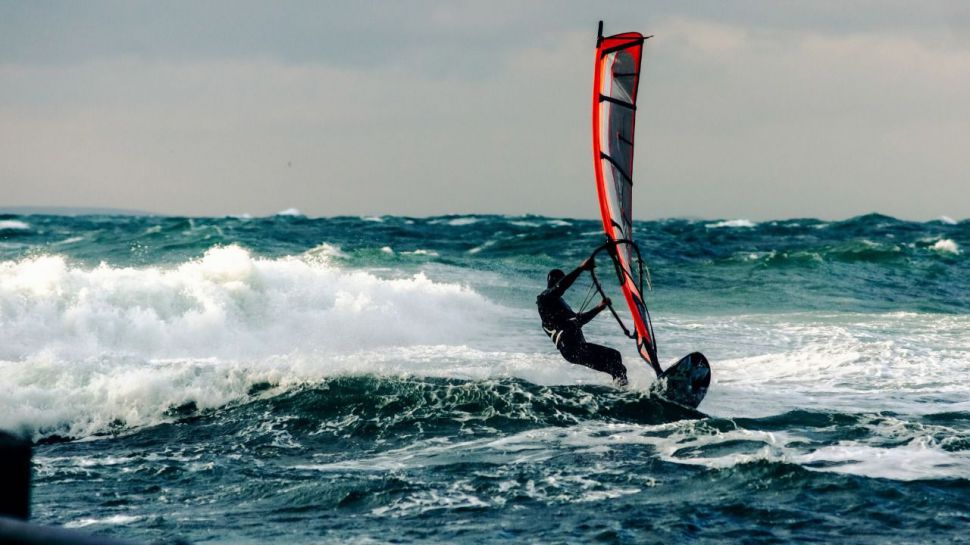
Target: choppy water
372 380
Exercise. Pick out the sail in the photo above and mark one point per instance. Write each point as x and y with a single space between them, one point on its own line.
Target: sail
615 81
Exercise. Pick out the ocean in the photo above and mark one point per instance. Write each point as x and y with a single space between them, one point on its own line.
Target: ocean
385 380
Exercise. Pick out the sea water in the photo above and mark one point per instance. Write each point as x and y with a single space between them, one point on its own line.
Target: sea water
385 380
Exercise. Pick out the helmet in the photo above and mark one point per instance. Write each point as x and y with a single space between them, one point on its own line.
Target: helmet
554 277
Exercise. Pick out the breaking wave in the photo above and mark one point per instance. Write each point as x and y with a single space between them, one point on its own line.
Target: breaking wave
84 347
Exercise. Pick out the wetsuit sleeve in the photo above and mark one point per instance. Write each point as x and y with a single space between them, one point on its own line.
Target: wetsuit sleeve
567 281
584 317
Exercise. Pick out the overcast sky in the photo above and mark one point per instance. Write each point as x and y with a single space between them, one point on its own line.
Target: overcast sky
747 109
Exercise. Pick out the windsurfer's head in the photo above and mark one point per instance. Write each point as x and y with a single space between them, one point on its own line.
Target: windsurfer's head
554 277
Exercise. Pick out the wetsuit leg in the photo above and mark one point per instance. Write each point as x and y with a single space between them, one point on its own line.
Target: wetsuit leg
604 359
598 358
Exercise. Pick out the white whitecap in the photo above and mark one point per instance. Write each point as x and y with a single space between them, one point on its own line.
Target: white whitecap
289 212
13 225
326 252
946 246
487 244
419 251
113 520
82 347
948 220
463 221
731 223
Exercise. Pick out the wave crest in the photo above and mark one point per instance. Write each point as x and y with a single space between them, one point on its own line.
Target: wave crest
226 304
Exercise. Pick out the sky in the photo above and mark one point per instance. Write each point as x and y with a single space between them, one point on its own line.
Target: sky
756 110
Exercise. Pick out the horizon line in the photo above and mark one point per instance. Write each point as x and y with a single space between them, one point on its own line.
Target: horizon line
68 211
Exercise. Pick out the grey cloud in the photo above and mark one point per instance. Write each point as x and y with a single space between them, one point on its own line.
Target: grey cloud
748 109
371 32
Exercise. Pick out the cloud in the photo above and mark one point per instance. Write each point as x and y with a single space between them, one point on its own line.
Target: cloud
221 136
790 122
439 107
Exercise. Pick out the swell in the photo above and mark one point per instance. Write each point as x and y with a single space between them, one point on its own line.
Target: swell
375 408
350 417
361 456
169 237
814 264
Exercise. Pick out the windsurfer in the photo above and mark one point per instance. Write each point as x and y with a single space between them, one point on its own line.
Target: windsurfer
564 326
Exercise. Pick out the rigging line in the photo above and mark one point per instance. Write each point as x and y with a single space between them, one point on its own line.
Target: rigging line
616 316
653 338
610 246
587 299
644 268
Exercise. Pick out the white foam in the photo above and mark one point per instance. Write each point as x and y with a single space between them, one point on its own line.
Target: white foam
70 240
289 212
80 347
913 461
579 483
693 443
325 253
731 223
948 220
14 225
917 455
457 222
524 223
479 248
856 362
946 246
112 520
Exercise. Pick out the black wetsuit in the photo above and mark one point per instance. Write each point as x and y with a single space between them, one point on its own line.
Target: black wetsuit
564 327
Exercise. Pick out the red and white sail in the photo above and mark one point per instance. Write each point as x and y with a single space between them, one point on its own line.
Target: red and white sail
615 81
